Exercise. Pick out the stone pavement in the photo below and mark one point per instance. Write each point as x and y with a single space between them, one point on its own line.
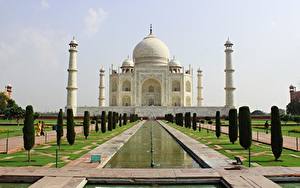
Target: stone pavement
16 143
107 150
254 177
206 156
289 142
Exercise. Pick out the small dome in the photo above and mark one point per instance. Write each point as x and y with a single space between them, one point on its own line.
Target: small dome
151 48
228 43
174 63
73 42
127 63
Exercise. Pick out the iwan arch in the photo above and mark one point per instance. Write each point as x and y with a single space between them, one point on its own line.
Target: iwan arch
151 83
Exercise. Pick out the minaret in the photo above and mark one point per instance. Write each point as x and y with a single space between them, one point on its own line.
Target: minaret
101 88
229 89
199 88
72 78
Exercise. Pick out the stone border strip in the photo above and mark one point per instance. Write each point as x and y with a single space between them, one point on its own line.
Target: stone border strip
203 154
254 177
107 150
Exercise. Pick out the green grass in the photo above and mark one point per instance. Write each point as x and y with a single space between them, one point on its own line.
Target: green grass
260 153
14 130
44 155
287 130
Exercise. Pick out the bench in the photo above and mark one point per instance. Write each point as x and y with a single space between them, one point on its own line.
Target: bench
238 161
95 158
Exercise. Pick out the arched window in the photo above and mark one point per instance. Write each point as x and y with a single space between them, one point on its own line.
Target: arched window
175 85
126 86
114 86
188 86
126 101
151 89
114 101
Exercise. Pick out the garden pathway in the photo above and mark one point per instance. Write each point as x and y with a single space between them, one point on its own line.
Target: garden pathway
16 143
289 142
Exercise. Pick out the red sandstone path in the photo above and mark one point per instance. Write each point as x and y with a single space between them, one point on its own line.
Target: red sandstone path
289 142
16 143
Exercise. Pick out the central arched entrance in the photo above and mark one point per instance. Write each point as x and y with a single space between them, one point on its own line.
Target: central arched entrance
151 93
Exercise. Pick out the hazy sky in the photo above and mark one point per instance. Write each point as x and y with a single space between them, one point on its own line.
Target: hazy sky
34 39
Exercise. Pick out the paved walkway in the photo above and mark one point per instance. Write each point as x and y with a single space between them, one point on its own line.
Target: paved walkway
107 150
77 177
289 142
16 143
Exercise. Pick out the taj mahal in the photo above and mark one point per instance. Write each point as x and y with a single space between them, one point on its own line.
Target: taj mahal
150 84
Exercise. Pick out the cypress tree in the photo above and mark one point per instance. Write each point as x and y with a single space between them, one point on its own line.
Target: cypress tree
70 127
194 121
124 119
86 124
59 127
120 120
114 120
97 124
245 129
103 122
109 120
233 126
177 119
276 134
180 119
218 124
28 130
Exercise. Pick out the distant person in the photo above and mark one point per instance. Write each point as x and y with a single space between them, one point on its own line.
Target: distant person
42 128
267 126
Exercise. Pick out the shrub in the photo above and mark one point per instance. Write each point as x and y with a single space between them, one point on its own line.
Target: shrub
70 127
28 130
245 130
103 122
276 134
96 123
59 128
110 121
86 124
124 119
233 126
180 119
218 124
120 120
114 122
195 121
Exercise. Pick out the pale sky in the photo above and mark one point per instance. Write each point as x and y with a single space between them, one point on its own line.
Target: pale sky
35 34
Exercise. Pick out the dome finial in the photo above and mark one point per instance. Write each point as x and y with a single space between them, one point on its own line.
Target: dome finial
150 29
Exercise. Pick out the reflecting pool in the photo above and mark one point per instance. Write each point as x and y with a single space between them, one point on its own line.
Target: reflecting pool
152 147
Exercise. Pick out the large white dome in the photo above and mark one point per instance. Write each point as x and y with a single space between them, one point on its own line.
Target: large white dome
151 50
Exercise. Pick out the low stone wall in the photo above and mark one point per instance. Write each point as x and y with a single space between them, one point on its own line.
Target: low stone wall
155 111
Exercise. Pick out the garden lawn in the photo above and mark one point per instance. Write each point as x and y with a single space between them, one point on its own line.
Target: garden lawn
44 155
260 153
294 130
14 130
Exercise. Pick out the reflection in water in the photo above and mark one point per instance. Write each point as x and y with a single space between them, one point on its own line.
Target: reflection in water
167 153
161 186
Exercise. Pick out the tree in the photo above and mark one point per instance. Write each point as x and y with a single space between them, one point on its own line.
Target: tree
245 129
258 113
233 126
114 120
218 124
3 102
110 121
70 127
194 121
120 120
293 108
180 119
59 128
86 124
124 119
276 134
28 130
97 123
103 122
